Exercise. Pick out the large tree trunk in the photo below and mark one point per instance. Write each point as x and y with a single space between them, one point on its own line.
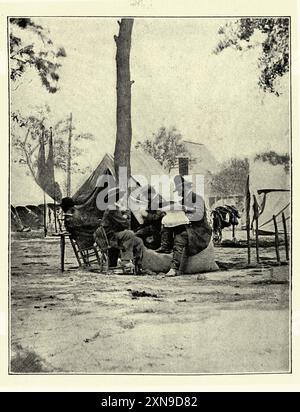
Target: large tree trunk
124 131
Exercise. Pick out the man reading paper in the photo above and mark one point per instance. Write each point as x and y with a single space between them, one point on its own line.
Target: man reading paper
193 235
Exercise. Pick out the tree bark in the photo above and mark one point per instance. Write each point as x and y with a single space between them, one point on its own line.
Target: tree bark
124 130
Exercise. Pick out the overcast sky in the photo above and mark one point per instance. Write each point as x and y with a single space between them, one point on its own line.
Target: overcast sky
179 82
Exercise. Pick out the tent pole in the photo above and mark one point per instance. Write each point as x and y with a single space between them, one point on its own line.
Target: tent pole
286 241
256 239
276 239
54 200
45 215
69 157
256 213
248 201
55 222
248 244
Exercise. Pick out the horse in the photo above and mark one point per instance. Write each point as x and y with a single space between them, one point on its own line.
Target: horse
223 216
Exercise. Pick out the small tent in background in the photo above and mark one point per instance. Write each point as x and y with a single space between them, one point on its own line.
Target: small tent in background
271 186
88 189
16 222
27 199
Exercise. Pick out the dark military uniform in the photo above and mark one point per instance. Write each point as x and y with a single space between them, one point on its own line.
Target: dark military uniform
81 226
194 237
152 223
116 226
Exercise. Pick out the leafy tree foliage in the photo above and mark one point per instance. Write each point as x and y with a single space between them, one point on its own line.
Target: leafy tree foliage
231 179
26 132
275 159
60 132
39 53
164 146
274 59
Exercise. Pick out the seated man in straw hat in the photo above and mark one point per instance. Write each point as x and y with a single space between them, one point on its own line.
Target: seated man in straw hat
115 222
191 238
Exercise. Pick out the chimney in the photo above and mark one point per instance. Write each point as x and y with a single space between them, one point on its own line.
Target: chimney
183 163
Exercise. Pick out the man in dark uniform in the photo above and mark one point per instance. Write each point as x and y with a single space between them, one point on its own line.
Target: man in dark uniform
79 223
151 227
115 222
191 238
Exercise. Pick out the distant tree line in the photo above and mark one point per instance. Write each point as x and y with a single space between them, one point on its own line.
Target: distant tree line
275 159
165 146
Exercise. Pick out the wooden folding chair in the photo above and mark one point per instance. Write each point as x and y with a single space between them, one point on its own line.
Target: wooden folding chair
104 246
96 253
88 255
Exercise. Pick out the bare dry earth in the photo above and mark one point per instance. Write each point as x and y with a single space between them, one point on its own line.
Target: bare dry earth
229 321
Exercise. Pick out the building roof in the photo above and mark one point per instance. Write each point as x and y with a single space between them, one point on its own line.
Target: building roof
202 163
202 159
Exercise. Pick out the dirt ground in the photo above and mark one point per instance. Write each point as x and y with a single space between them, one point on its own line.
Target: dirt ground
230 321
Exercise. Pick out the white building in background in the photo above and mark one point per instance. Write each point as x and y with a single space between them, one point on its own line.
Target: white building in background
199 161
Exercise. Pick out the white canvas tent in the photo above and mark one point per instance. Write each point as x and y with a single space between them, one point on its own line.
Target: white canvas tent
143 168
24 190
271 186
25 197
